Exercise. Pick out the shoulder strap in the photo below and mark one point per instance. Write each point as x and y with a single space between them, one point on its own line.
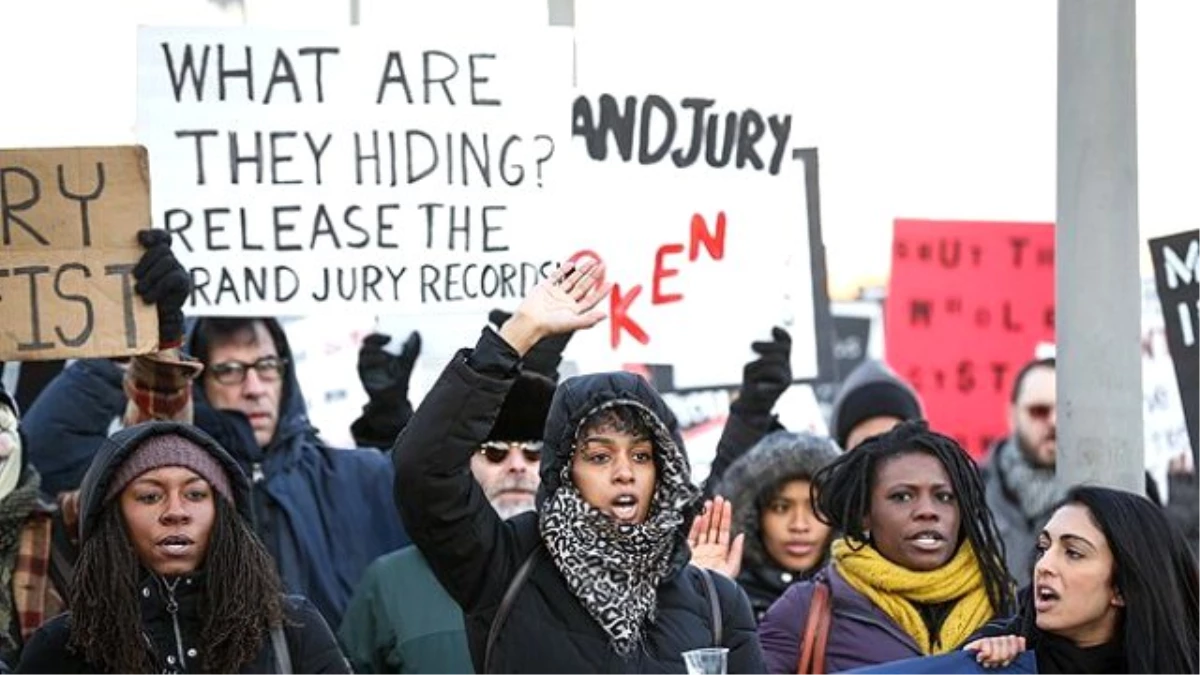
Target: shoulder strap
714 606
62 556
279 645
816 629
506 603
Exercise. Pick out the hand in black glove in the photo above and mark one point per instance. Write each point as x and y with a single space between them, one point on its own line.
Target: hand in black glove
385 376
766 378
546 355
164 283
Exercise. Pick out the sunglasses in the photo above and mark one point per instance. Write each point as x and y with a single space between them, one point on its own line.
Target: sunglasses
269 368
497 452
1039 411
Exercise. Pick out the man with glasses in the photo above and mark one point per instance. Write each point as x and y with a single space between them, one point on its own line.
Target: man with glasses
400 619
1021 489
324 513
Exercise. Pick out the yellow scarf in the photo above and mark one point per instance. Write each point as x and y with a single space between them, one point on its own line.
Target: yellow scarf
894 589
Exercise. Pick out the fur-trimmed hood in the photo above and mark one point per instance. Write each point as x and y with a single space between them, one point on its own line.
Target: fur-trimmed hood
779 457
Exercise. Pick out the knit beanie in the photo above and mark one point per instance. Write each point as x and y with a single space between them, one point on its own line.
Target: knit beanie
170 450
882 398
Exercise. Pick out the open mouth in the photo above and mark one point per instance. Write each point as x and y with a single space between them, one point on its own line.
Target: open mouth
176 544
624 507
929 540
1044 598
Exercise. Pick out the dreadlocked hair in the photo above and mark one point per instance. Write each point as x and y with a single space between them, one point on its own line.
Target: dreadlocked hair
237 612
105 620
841 494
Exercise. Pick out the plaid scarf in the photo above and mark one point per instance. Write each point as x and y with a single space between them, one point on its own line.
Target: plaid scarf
15 510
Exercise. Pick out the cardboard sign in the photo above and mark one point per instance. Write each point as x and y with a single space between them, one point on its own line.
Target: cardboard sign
68 246
1177 275
967 305
398 171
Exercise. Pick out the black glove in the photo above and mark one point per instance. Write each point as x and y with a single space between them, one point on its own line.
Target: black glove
545 356
162 282
766 378
385 377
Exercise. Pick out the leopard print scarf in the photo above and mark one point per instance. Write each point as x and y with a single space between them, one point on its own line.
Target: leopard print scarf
614 568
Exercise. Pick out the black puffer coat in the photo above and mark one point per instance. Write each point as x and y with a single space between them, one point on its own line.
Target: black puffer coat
475 554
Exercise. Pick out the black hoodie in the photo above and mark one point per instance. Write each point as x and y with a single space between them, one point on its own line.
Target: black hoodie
475 554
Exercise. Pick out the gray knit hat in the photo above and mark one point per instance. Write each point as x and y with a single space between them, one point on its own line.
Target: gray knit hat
170 450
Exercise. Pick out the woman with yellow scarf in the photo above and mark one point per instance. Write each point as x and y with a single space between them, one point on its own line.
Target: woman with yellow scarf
919 566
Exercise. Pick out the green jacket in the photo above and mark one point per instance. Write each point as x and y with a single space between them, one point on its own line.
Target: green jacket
401 620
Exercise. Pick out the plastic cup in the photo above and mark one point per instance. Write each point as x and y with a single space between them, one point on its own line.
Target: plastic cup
707 661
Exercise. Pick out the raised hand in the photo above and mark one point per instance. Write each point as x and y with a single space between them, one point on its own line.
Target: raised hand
163 282
710 542
384 374
563 302
766 378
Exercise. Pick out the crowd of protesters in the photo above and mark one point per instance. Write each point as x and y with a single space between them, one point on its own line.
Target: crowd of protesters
177 512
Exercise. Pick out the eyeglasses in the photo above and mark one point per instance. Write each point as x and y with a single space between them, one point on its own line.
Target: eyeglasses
1039 411
269 368
496 452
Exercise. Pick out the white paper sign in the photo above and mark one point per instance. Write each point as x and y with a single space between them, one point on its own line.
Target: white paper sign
399 172
698 187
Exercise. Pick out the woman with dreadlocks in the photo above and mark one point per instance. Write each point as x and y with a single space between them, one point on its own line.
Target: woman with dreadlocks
170 576
919 566
597 579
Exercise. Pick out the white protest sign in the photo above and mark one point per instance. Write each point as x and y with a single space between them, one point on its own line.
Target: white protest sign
698 187
398 172
1163 423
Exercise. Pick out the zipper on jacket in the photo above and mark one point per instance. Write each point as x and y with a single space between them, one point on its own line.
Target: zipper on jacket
173 610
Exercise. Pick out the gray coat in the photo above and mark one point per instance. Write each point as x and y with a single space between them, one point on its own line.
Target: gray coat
1018 531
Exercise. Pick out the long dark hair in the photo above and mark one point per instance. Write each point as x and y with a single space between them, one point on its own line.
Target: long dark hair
242 598
1155 572
841 492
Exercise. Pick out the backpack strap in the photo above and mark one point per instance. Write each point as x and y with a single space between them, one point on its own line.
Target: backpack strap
714 606
506 603
279 645
816 628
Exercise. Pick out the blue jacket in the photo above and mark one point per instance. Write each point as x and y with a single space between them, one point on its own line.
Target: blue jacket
323 513
954 662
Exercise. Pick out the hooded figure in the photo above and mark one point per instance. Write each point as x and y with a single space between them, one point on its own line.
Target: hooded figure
608 588
170 576
761 481
872 400
324 513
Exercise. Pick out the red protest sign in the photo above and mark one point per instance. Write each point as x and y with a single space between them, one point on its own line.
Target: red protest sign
968 303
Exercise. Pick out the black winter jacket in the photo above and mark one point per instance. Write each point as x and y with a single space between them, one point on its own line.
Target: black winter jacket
475 554
311 645
172 617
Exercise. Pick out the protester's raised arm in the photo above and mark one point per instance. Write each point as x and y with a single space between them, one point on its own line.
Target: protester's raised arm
444 510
